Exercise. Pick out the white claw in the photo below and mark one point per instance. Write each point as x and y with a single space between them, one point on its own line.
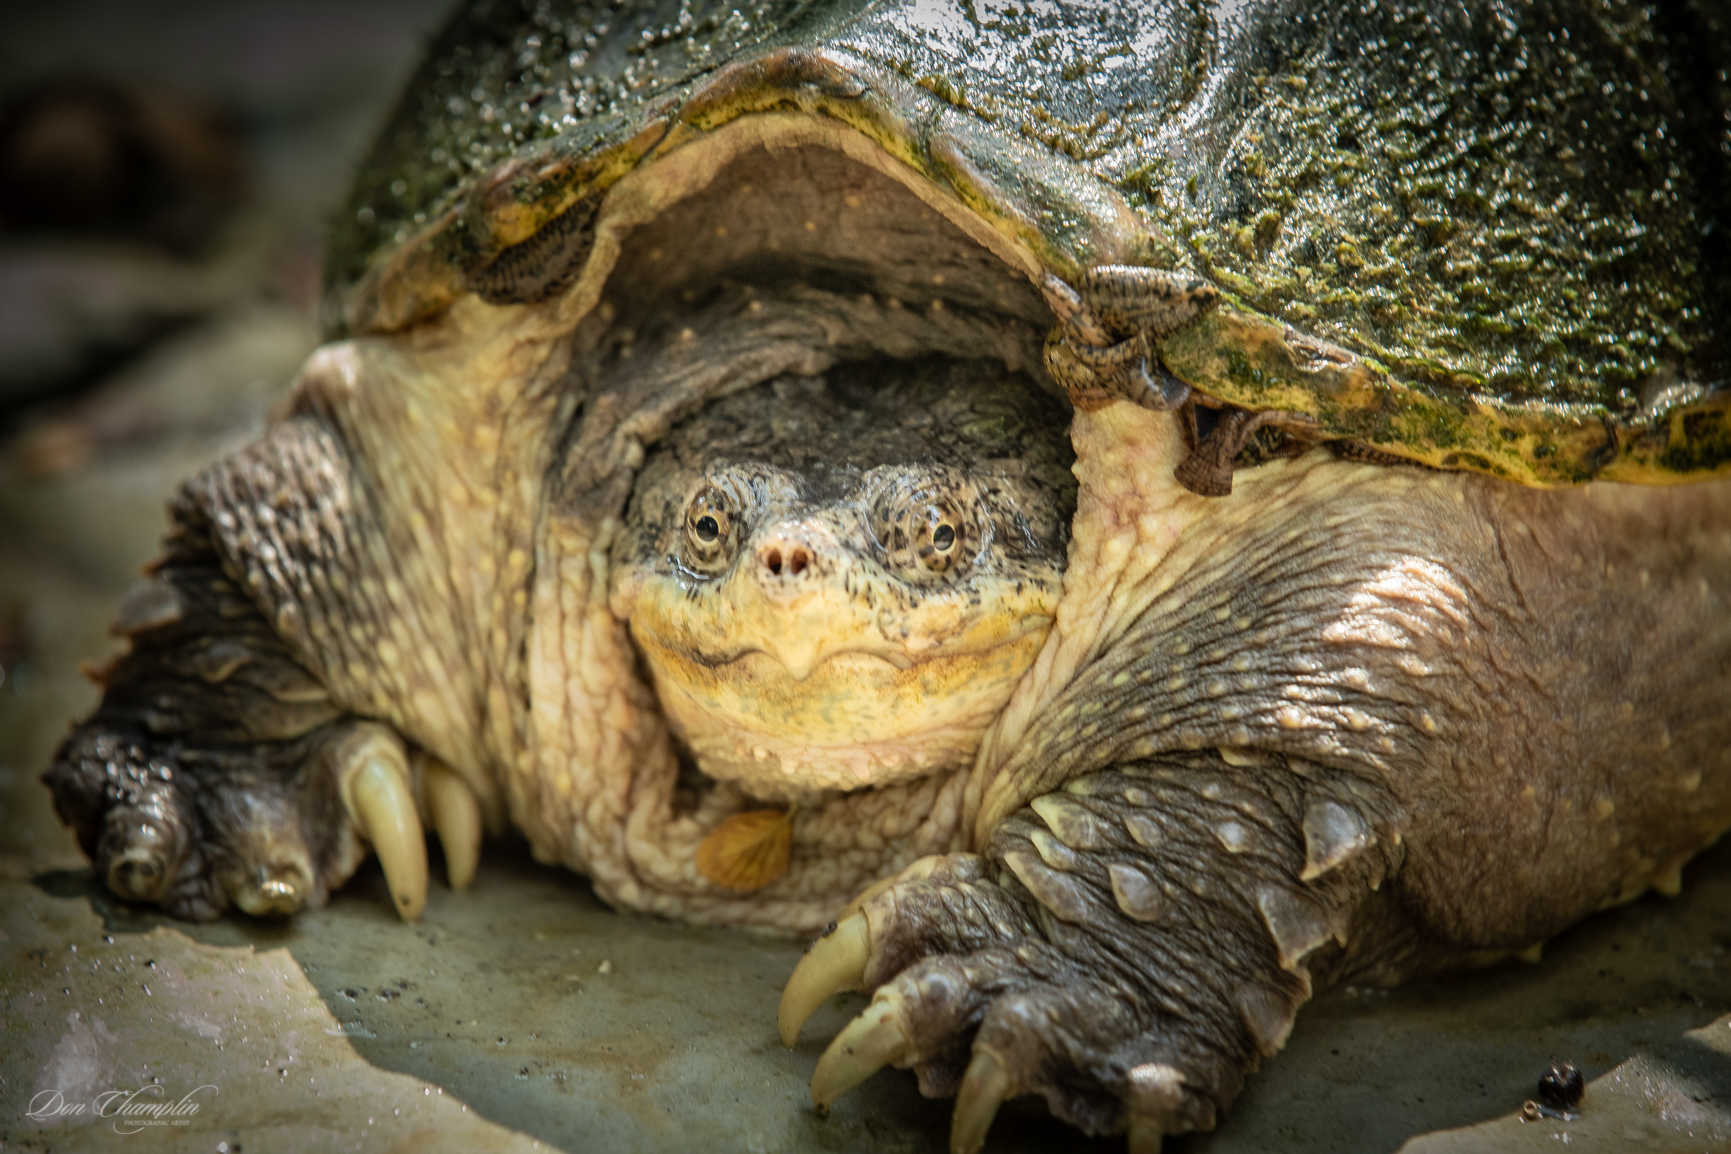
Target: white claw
870 1042
377 797
833 964
455 812
984 1088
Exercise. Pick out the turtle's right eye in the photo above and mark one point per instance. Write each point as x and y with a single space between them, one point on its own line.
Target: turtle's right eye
711 529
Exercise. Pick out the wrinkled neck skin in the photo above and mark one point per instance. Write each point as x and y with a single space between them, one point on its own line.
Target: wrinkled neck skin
414 610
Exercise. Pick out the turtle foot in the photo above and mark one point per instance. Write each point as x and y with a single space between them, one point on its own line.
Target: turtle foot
217 772
974 998
270 831
1128 948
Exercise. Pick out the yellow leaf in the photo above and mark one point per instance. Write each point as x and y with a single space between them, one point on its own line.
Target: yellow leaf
748 850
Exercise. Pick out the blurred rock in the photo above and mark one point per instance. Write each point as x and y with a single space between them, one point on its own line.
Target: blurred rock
86 156
72 313
160 163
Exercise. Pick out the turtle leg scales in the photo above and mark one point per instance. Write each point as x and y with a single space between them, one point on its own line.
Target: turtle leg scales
218 772
1105 349
1098 361
1128 948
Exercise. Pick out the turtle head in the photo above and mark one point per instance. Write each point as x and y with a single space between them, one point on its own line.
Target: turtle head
829 622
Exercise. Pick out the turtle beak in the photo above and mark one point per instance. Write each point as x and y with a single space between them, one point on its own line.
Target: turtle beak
794 566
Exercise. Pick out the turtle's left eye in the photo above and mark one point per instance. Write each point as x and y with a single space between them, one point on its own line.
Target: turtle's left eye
711 523
937 538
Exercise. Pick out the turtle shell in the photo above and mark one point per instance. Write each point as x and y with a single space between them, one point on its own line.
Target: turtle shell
1485 236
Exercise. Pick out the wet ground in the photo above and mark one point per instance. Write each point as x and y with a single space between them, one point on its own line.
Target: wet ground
525 1013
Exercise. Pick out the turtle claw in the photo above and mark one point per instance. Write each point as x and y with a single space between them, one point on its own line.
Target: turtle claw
1144 1137
272 890
139 873
870 1042
455 813
263 866
141 849
984 1088
375 792
835 962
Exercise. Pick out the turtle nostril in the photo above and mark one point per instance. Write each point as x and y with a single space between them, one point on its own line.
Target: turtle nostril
785 559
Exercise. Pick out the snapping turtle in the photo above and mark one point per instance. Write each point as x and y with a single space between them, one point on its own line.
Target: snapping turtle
683 486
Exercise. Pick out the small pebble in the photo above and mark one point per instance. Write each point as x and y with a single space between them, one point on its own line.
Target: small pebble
1561 1086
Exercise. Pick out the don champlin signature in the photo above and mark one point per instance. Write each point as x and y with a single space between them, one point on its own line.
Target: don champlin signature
131 1110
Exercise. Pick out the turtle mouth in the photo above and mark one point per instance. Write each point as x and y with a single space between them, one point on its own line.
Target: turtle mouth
852 720
801 662
862 656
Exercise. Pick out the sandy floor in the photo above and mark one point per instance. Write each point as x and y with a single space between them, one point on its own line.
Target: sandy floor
525 1013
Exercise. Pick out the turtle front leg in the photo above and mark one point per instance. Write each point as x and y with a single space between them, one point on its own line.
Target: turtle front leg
1128 947
218 771
1103 349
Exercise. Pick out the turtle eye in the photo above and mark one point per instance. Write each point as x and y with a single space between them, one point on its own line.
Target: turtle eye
926 526
711 519
939 537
